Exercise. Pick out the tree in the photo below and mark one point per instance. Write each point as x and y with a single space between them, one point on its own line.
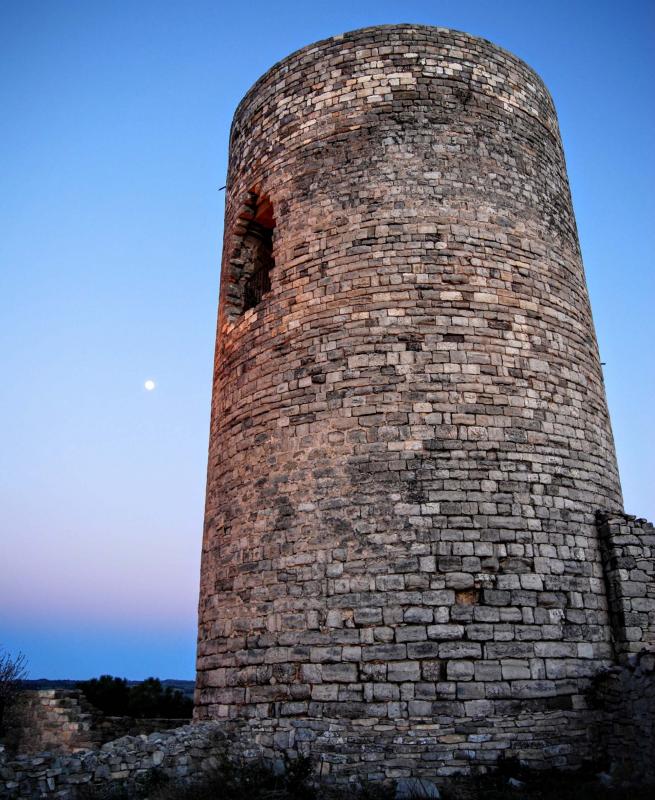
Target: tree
150 699
13 671
147 699
108 694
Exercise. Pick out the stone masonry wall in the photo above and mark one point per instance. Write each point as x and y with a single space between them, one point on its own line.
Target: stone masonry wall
409 436
628 547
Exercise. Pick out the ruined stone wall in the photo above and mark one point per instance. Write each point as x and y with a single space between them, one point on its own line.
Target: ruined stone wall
124 764
628 549
625 696
63 721
336 753
52 719
616 732
409 435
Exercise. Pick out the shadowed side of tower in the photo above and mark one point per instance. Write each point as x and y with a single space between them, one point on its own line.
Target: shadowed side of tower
409 437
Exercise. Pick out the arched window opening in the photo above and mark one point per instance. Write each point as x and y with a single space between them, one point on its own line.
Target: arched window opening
253 260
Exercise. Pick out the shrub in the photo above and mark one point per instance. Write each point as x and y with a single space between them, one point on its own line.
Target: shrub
234 780
237 780
150 699
108 694
13 670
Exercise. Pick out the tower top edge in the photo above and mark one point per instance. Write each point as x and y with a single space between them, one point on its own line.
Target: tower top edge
405 29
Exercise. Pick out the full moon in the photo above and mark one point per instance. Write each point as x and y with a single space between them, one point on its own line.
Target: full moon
149 385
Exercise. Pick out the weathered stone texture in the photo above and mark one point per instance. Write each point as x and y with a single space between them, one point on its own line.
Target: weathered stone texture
628 548
409 436
52 719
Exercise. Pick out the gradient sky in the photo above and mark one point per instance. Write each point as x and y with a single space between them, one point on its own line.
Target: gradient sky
114 128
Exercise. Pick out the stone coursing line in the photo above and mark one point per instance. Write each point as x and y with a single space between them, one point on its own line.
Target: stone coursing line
409 436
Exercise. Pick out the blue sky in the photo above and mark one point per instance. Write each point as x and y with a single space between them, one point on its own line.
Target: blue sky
113 145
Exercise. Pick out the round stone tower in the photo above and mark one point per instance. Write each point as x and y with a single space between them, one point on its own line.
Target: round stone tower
409 436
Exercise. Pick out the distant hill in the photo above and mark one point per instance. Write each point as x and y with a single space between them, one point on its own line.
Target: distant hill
186 687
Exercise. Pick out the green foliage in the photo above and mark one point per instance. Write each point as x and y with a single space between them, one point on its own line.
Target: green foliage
148 699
